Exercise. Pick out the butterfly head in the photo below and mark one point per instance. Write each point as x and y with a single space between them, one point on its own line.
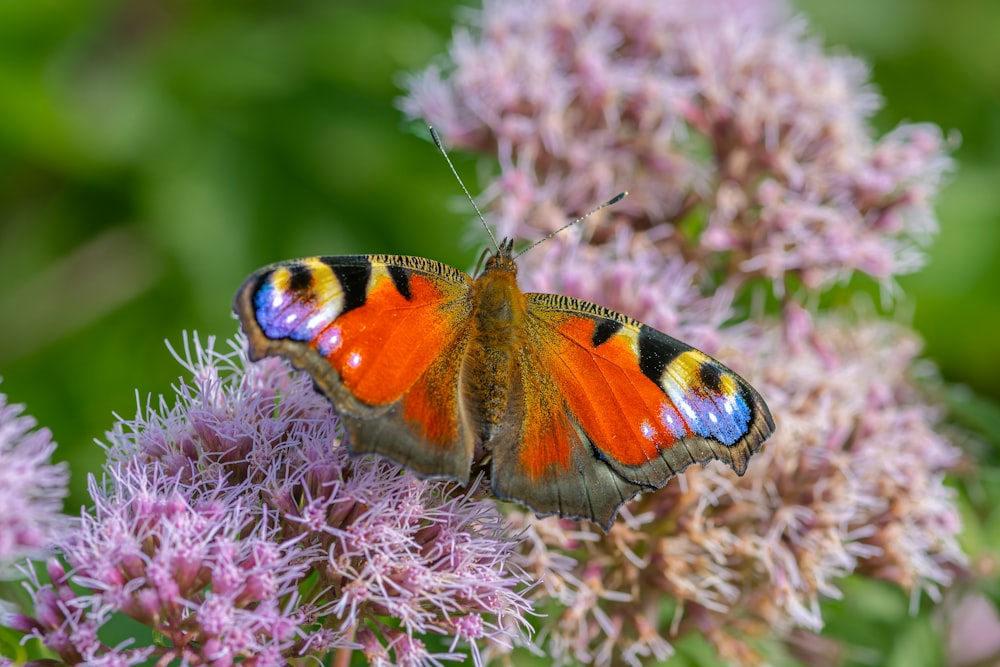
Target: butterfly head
502 259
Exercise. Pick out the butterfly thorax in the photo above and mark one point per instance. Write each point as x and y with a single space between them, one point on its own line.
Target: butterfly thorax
499 308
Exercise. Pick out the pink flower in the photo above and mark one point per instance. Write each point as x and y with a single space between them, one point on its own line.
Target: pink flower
851 483
233 523
752 168
974 631
724 117
31 486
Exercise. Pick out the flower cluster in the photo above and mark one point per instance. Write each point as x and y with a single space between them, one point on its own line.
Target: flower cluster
184 558
234 524
717 115
751 164
31 486
851 483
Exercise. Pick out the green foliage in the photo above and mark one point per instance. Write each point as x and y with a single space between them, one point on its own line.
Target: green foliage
11 647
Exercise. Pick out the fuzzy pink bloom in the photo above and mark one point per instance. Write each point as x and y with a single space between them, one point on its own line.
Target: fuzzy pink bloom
751 167
850 483
234 524
974 631
723 115
190 560
31 486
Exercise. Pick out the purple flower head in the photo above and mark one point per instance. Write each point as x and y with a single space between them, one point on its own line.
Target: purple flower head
851 483
750 160
31 486
233 523
744 146
191 560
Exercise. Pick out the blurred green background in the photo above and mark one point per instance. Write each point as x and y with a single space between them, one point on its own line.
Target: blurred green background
152 154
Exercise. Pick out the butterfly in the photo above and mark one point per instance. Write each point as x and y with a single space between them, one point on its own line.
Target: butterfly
573 408
576 407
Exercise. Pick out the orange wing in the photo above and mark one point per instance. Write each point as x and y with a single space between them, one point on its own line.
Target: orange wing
611 408
382 337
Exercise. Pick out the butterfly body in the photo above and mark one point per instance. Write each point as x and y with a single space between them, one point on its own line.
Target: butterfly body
574 408
499 310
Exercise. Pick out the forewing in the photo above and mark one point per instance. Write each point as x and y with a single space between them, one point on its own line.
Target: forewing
382 337
624 408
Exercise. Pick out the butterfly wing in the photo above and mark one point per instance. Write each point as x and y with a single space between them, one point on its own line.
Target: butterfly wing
382 337
611 408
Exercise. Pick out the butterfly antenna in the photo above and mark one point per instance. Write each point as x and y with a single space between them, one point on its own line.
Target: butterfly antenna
614 200
437 142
